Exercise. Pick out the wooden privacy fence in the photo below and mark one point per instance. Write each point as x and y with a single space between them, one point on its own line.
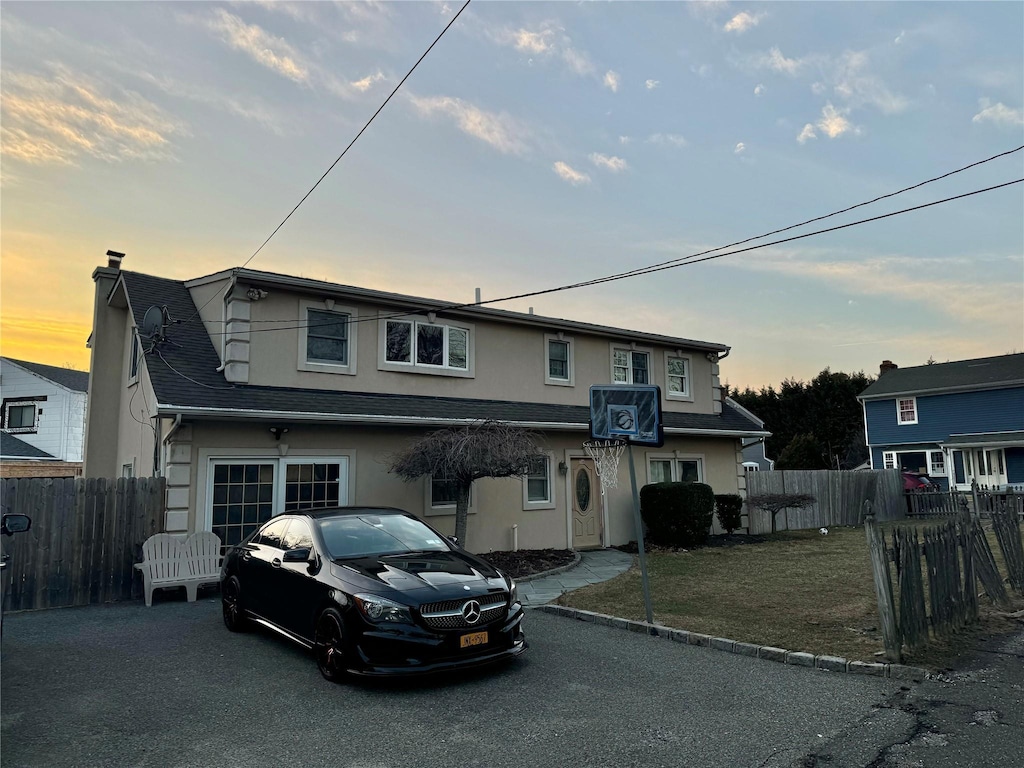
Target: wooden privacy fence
839 497
83 541
937 568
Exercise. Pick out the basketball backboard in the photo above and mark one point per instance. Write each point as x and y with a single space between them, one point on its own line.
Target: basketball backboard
626 412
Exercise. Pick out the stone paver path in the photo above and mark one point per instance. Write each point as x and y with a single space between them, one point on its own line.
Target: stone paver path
594 567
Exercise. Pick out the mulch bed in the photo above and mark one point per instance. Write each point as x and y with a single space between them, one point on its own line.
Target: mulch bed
527 562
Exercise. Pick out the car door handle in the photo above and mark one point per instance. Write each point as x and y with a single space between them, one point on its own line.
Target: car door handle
247 555
276 562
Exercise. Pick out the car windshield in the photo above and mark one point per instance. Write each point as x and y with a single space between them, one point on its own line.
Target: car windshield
362 535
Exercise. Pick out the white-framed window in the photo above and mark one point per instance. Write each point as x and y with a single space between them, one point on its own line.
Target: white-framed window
314 483
128 470
889 459
906 410
631 366
677 377
558 360
134 357
675 468
21 416
538 490
936 463
750 466
440 497
426 345
327 338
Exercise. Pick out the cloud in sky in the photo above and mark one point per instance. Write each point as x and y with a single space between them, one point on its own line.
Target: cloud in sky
758 89
60 118
611 81
833 122
739 149
667 139
272 52
807 133
608 162
501 131
777 62
545 41
998 113
367 82
650 85
742 21
625 139
570 174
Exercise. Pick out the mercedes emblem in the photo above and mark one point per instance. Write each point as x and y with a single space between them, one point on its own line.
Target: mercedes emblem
471 611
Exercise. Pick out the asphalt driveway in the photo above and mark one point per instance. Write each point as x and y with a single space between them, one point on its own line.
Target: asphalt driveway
123 685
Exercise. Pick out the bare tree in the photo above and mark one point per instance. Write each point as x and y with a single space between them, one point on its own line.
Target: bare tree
778 502
461 455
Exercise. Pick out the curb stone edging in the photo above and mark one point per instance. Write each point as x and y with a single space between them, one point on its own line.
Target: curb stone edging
550 572
821 662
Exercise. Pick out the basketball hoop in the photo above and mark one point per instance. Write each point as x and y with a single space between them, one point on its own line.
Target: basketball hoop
605 454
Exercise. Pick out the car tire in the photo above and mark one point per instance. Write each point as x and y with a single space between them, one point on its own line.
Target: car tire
232 607
328 645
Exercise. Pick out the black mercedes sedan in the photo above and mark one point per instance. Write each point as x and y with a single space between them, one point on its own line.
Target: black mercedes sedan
372 591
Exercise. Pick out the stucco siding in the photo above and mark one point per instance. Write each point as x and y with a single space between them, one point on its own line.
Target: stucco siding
939 416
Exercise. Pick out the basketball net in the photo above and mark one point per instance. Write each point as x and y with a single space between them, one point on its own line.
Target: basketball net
605 454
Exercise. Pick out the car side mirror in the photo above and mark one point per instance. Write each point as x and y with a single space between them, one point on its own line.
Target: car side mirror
298 555
454 540
15 523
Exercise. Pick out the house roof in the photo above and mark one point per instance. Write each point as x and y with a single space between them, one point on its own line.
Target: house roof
985 438
183 372
66 377
13 448
980 373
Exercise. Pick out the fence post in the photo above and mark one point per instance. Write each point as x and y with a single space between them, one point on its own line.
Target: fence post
883 585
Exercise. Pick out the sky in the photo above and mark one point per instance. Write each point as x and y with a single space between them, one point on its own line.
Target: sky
537 145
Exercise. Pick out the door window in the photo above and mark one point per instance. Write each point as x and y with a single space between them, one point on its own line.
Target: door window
583 489
243 499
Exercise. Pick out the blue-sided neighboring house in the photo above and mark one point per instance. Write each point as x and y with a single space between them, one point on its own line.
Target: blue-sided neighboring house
957 422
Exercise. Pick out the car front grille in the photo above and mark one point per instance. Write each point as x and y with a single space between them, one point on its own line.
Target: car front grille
447 614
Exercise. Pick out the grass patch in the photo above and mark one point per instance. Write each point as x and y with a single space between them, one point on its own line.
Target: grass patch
797 590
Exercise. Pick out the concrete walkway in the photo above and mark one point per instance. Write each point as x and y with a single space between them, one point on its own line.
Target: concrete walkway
594 567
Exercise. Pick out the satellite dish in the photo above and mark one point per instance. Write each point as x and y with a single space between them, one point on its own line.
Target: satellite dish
153 324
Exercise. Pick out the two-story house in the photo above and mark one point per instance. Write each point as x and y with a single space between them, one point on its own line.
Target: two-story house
42 419
267 392
958 422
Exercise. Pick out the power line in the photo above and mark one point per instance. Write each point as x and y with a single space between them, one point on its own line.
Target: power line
347 148
695 258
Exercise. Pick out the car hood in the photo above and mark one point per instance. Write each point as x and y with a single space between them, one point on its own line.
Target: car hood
421 574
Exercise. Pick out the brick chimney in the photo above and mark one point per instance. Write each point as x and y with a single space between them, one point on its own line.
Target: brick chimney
886 366
114 260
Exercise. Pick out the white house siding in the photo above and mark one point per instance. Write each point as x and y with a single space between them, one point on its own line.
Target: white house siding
61 425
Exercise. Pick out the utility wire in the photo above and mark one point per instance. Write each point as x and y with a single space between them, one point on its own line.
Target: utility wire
695 258
345 151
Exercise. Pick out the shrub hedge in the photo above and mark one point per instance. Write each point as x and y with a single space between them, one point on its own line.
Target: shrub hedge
677 514
729 508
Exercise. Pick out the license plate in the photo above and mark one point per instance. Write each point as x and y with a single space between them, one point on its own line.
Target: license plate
474 638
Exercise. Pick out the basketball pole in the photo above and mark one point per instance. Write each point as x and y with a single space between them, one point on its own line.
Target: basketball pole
638 521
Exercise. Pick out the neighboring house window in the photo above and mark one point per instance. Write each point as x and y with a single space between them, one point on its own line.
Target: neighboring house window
630 366
906 409
537 484
127 470
889 459
136 354
426 347
21 416
327 338
983 468
936 463
677 372
749 467
682 469
558 355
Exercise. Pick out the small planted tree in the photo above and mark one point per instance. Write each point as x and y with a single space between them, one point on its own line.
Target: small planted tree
461 455
729 508
775 503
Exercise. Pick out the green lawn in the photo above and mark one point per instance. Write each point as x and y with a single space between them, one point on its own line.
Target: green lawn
797 590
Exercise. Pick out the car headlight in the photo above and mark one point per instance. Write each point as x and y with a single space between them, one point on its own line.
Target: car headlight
513 593
380 609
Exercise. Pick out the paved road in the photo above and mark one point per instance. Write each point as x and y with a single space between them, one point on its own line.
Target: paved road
123 685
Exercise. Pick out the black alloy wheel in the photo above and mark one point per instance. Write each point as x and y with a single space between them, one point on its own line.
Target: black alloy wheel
231 606
328 645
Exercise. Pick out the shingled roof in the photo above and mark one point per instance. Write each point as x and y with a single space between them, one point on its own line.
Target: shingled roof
66 377
13 448
980 373
183 371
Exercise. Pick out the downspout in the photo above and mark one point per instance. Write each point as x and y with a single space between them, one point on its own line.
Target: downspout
167 438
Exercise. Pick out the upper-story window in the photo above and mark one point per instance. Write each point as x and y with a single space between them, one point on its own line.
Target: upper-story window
906 410
631 366
327 338
135 357
559 360
426 346
678 384
21 416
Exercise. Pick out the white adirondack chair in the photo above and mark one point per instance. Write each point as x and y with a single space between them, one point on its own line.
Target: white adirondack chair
201 561
161 564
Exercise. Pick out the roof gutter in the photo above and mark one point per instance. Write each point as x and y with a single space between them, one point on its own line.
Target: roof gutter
941 390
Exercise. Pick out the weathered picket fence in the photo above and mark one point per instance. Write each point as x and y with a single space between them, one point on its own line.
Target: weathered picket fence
938 503
936 570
